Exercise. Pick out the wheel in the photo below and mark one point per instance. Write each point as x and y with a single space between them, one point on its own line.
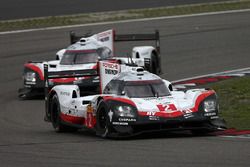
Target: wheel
56 119
153 64
103 125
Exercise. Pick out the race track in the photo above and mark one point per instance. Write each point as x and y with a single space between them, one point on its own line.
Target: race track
190 46
18 9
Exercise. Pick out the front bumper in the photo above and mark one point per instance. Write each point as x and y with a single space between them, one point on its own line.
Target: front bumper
147 124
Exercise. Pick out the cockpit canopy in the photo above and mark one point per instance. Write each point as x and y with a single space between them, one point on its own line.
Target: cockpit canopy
137 89
71 57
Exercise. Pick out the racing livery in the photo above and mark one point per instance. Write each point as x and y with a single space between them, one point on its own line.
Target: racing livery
83 54
132 101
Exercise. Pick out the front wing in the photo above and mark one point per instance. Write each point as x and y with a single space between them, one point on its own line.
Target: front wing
155 123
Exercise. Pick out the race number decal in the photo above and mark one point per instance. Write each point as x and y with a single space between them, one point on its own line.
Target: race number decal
167 108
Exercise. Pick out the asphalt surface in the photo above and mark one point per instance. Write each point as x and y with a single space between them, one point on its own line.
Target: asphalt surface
18 9
190 46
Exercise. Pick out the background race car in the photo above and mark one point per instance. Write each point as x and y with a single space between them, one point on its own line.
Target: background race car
133 101
83 54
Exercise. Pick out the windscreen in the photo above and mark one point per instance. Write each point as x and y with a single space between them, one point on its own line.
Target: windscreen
79 57
141 89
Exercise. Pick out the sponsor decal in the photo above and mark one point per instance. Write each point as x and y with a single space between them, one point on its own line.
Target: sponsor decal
187 113
151 113
210 114
214 117
65 93
104 39
153 98
127 119
30 83
119 123
109 71
110 65
153 118
110 114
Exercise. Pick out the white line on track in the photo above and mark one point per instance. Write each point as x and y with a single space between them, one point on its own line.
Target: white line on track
125 21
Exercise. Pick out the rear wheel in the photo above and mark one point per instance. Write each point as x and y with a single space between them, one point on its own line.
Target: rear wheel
56 119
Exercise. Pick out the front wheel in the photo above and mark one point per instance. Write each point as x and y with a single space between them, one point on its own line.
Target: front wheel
103 125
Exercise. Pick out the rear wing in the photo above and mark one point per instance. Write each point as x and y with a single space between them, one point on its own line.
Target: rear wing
124 38
62 74
106 71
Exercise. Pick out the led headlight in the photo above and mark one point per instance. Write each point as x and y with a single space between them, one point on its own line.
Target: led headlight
30 76
209 105
124 111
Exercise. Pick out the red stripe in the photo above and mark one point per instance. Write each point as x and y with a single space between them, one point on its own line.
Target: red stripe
205 80
36 69
67 80
163 114
233 132
72 119
200 81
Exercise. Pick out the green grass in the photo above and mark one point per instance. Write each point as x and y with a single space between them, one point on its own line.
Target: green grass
234 100
121 15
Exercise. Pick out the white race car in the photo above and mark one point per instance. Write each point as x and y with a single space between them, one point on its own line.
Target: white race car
83 54
132 101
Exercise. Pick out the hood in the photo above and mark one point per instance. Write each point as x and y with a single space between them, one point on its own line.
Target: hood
154 104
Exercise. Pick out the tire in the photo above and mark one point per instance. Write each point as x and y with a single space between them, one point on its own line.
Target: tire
153 64
103 125
56 119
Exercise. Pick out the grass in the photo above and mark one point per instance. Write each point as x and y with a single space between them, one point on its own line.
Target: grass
121 15
234 100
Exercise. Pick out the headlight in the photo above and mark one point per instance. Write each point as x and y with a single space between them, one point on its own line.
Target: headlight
30 76
209 105
124 111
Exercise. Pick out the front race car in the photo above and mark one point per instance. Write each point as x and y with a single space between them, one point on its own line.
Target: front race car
195 110
132 101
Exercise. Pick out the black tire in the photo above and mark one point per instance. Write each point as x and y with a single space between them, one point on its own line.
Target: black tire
56 119
153 64
103 125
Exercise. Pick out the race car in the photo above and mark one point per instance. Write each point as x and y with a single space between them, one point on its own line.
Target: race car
83 54
132 101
